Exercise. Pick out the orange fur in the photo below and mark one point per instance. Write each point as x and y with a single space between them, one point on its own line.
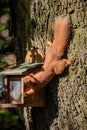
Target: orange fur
53 64
34 55
61 34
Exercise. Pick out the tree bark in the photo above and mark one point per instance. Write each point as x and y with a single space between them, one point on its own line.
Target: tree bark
66 99
66 94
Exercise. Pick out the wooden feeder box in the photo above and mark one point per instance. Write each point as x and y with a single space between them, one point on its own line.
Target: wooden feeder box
14 87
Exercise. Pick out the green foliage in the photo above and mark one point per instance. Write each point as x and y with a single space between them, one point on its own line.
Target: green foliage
2 28
7 117
4 6
6 9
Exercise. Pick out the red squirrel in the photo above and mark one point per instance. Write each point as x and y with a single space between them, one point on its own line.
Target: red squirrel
53 63
34 55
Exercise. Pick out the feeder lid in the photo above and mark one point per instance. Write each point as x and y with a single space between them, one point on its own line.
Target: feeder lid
21 69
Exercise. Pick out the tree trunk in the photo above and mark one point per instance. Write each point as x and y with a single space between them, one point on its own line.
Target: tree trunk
66 98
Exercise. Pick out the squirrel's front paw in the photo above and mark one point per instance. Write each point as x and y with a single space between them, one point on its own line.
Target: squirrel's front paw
30 92
70 62
25 94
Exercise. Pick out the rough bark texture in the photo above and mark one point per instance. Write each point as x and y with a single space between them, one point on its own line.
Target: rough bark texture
66 94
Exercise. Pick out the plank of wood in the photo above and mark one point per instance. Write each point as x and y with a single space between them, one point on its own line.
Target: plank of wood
10 105
21 69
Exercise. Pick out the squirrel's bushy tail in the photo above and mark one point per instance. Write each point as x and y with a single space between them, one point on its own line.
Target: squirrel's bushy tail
61 33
